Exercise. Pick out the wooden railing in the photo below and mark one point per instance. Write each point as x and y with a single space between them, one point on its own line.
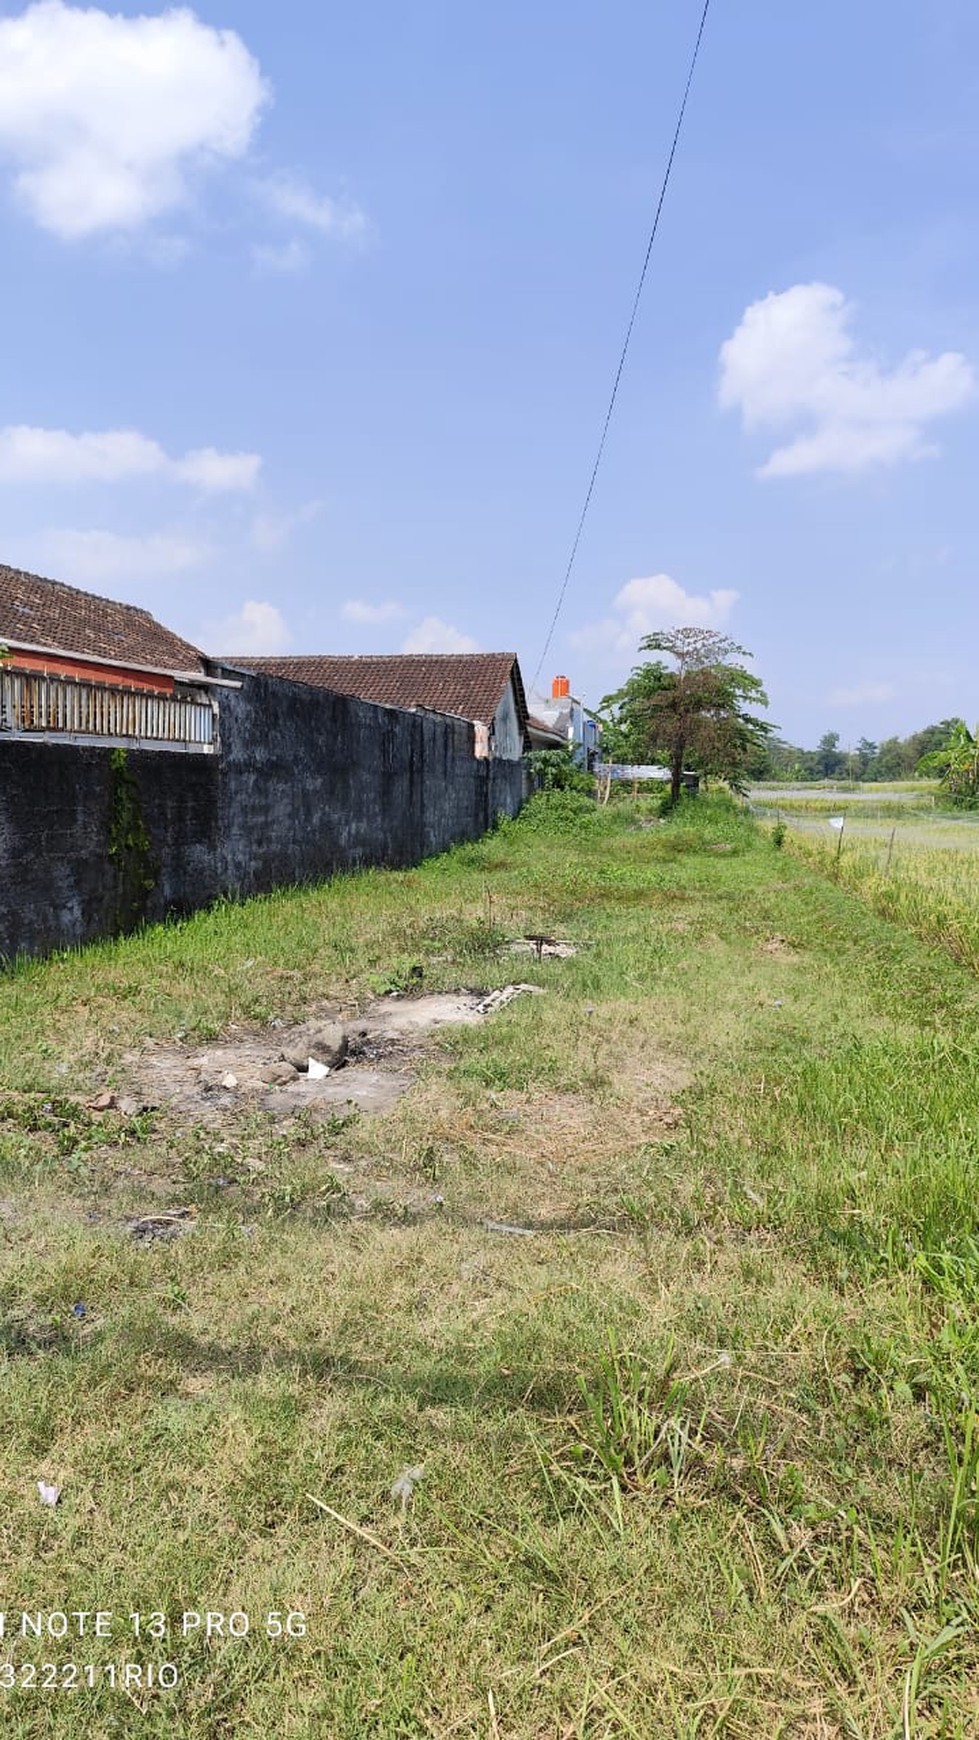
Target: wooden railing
38 706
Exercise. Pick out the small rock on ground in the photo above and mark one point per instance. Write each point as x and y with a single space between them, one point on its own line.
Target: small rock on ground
280 1074
325 1044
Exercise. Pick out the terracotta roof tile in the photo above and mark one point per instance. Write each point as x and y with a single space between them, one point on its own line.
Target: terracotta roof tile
46 613
470 685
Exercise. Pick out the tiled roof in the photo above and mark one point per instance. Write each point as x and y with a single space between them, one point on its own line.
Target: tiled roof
471 685
45 613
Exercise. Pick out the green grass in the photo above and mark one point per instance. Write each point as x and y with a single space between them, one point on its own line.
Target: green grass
700 1452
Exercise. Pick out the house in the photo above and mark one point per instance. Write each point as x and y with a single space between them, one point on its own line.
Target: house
544 736
485 689
79 668
568 718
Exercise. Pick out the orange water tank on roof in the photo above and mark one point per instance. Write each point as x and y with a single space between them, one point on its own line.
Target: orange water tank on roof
560 687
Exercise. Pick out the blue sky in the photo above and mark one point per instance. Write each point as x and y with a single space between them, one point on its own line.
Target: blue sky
311 314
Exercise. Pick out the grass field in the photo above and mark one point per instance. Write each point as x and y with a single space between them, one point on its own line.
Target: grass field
916 864
698 1442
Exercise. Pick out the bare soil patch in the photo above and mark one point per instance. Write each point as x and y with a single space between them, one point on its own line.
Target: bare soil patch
248 1069
778 947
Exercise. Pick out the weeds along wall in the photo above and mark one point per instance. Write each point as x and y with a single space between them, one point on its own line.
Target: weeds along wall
306 783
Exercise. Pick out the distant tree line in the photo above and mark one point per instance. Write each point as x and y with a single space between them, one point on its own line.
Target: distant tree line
894 758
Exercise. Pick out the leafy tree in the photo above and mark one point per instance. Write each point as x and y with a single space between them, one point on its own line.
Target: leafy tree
957 762
830 759
693 714
893 760
784 760
867 753
625 737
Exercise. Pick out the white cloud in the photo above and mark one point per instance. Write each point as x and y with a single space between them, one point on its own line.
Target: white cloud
793 361
208 469
297 203
104 117
435 636
660 602
863 695
359 610
96 557
29 455
644 605
255 629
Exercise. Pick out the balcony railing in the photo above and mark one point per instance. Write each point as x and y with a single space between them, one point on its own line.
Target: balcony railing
46 707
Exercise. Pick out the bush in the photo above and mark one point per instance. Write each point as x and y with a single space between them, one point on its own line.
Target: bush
556 770
709 821
564 812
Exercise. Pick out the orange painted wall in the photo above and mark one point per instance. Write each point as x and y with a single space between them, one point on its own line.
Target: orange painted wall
114 676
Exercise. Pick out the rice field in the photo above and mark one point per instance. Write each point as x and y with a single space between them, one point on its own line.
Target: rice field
916 864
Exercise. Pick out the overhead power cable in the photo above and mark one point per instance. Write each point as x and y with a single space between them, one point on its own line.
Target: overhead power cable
625 345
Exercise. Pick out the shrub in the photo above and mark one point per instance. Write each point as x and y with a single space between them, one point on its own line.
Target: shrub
565 812
557 770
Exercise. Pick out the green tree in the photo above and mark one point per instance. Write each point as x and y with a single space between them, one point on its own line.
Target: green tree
625 737
893 760
957 762
693 714
776 760
867 753
830 759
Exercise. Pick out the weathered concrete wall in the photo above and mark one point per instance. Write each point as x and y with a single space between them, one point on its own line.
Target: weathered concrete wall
507 732
306 783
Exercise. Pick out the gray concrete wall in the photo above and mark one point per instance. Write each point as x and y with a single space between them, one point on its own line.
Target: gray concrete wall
307 783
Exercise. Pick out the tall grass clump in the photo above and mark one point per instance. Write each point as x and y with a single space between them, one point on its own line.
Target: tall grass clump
563 812
709 820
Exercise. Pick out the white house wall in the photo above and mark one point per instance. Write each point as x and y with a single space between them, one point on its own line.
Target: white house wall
507 734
